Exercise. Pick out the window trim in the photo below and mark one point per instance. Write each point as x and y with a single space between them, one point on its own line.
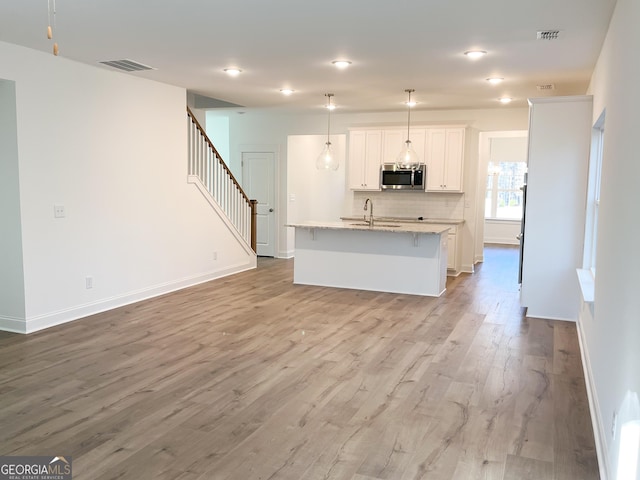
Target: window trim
593 196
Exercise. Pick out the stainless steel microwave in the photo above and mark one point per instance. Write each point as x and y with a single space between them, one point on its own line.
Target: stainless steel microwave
394 178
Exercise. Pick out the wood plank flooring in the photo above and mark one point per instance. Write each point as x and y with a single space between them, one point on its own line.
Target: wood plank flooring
252 377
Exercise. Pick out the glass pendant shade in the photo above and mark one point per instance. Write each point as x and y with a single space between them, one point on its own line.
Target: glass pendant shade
408 158
327 160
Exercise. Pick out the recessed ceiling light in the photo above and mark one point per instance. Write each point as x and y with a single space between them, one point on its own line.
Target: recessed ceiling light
341 63
495 80
410 104
475 53
505 100
233 71
330 106
286 91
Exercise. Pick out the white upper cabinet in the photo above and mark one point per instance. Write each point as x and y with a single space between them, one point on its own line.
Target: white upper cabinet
444 157
365 158
394 141
440 148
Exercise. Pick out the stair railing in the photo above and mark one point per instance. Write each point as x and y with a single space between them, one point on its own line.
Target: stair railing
207 165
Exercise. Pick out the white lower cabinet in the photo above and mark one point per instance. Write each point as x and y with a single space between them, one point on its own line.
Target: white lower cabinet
451 251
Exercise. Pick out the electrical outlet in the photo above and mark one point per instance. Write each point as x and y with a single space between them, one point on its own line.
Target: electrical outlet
88 281
614 425
215 256
59 211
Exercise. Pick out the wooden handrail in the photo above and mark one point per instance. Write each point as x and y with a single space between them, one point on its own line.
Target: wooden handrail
252 204
218 156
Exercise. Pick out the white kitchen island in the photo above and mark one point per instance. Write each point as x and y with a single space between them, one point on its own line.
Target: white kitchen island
396 258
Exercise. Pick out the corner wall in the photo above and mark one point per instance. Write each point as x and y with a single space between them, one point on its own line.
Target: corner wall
111 148
611 338
12 308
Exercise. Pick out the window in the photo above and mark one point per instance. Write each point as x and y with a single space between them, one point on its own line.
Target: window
504 190
593 196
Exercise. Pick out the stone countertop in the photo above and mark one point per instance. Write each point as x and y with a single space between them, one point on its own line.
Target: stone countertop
421 220
378 226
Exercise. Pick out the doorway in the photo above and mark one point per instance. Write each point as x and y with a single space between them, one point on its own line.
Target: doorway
502 161
258 175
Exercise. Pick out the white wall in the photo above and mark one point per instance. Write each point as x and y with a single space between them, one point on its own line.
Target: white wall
11 270
503 232
315 194
268 126
112 149
612 338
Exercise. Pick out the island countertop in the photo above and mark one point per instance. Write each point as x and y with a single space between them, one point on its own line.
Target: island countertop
378 226
422 220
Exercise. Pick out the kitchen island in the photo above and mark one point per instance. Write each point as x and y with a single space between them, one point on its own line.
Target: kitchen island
384 257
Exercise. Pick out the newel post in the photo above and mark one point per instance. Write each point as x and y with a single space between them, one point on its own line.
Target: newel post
254 223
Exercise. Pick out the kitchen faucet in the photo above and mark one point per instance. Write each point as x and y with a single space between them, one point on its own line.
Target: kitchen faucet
370 221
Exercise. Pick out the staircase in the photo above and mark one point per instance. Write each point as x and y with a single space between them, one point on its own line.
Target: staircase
211 175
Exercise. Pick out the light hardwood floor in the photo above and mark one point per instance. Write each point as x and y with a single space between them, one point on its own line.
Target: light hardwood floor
252 377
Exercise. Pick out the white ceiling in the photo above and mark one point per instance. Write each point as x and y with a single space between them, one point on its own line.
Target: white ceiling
393 45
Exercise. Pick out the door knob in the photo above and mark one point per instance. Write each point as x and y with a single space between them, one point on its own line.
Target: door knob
271 210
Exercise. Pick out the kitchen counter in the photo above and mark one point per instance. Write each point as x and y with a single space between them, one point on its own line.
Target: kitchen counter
408 258
420 220
378 226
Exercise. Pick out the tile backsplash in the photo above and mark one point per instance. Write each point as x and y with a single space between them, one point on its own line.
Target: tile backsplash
410 204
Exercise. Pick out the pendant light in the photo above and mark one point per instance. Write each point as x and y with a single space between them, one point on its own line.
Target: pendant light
327 159
408 158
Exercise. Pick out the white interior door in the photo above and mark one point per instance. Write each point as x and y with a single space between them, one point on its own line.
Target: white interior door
258 175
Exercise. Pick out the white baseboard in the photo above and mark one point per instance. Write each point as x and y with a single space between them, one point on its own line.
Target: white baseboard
40 322
501 241
286 254
594 407
12 324
535 314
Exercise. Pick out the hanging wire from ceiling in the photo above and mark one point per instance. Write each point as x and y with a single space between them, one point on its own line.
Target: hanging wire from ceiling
51 13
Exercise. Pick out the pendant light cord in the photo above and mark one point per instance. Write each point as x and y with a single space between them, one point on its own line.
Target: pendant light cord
409 113
329 95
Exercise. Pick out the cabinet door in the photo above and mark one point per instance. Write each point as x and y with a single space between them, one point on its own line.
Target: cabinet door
373 160
365 155
393 143
434 158
357 159
418 139
453 160
451 251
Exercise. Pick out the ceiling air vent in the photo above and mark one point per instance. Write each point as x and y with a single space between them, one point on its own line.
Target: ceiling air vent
127 65
548 34
546 87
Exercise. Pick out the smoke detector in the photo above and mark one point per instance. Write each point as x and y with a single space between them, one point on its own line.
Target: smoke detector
548 34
